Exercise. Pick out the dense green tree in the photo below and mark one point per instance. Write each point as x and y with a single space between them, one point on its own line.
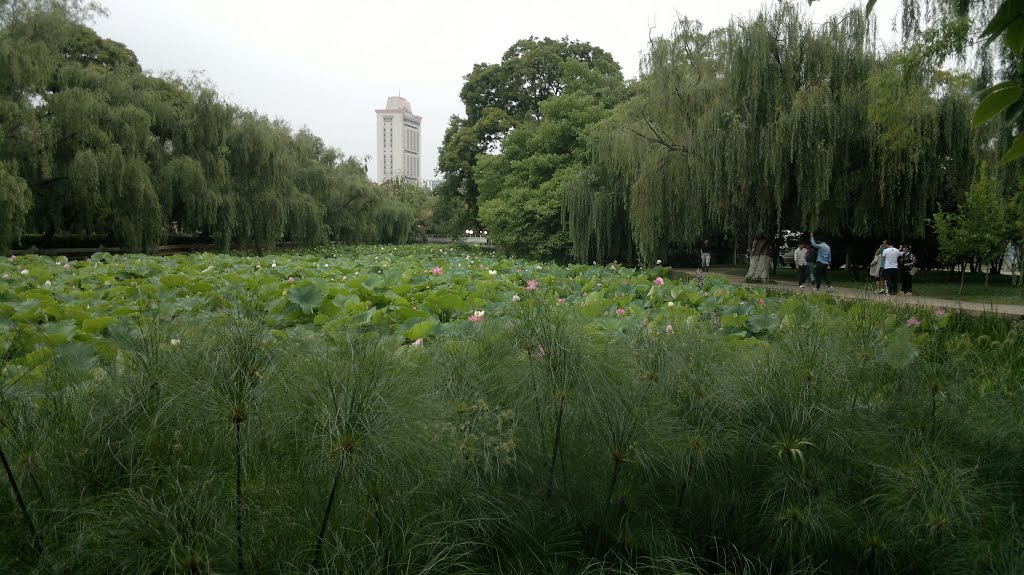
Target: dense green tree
76 10
979 229
521 189
15 201
504 96
104 149
773 123
421 203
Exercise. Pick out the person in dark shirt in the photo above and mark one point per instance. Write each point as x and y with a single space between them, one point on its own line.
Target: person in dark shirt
705 255
908 267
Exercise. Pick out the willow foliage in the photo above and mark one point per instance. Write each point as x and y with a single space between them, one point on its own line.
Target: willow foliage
185 194
15 201
393 221
773 123
104 149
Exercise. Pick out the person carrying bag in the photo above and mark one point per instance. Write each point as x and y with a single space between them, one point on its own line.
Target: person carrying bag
908 268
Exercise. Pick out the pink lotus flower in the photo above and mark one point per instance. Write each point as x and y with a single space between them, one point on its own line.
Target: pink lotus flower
941 311
760 301
291 280
913 322
658 281
12 258
418 343
668 328
477 316
531 284
67 266
620 311
437 270
561 300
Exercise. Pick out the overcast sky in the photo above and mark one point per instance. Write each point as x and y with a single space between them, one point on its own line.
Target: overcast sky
328 64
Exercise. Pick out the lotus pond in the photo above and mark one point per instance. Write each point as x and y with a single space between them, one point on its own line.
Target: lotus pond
441 410
412 292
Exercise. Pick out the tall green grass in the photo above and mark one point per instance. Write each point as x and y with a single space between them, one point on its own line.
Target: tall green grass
541 444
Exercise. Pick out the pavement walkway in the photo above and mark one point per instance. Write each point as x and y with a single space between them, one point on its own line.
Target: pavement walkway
976 308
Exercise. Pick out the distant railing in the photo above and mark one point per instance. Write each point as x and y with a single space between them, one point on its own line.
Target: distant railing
481 241
83 253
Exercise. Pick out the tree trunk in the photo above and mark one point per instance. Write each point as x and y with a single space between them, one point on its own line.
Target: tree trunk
1016 263
760 261
962 271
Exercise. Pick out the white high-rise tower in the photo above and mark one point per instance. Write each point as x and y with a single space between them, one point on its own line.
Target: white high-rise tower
398 142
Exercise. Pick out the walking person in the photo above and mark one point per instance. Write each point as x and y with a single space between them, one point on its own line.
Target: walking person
875 269
705 256
811 258
800 261
822 263
908 267
890 265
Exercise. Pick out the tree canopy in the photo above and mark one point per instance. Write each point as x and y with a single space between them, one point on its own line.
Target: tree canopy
774 123
771 123
90 144
500 98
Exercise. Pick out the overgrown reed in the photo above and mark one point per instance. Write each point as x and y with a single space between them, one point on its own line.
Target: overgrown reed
542 444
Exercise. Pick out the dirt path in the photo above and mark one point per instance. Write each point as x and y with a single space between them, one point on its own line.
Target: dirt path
1013 311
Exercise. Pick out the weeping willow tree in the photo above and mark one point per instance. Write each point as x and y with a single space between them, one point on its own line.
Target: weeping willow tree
393 220
15 201
185 195
256 183
772 123
627 198
600 221
105 150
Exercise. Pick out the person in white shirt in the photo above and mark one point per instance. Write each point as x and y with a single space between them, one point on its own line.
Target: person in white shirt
890 266
800 261
705 256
